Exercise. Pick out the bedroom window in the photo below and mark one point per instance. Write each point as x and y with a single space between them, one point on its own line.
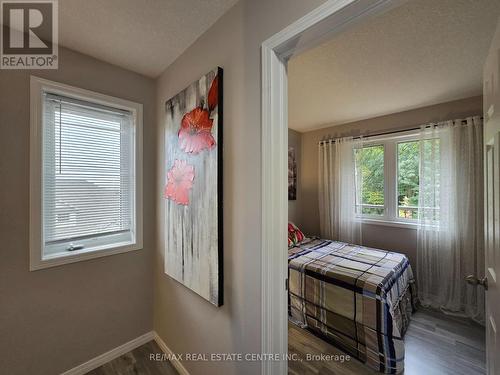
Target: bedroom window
85 175
408 179
370 170
388 177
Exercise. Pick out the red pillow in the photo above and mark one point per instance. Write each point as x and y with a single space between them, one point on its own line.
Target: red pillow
295 235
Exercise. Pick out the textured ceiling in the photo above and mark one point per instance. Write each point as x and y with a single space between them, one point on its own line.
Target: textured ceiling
422 53
144 36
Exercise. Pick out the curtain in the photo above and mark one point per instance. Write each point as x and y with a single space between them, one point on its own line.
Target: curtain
338 190
450 242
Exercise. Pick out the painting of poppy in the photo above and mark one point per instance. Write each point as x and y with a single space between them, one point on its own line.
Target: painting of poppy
192 192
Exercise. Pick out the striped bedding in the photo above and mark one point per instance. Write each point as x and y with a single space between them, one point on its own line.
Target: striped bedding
360 299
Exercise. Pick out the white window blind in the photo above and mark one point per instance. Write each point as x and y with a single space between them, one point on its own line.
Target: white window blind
88 175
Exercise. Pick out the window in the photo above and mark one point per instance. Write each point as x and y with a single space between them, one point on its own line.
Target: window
85 175
370 170
408 179
388 174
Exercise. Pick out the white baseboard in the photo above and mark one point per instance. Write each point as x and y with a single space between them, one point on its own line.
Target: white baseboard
125 348
175 362
112 354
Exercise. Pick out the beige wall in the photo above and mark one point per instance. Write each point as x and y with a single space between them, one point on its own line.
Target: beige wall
384 237
57 318
295 141
491 90
184 320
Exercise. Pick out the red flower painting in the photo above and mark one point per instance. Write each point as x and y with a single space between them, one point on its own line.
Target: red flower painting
195 133
179 182
213 94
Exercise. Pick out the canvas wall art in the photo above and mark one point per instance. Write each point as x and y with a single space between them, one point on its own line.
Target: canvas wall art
193 187
292 174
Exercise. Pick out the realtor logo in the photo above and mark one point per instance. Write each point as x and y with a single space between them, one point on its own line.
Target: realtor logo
29 37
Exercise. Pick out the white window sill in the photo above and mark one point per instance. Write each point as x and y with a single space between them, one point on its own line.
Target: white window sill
389 223
59 259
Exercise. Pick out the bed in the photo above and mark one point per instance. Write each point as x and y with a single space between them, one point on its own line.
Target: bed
357 298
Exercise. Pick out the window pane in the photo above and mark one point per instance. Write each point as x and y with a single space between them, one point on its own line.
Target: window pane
88 168
408 179
370 172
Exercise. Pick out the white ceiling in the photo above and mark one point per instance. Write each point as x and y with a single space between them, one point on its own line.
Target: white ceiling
144 36
422 53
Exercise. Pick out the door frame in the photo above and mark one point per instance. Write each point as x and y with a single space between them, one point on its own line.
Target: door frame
318 26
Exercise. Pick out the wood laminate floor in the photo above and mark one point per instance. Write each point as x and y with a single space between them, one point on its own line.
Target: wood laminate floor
435 344
137 362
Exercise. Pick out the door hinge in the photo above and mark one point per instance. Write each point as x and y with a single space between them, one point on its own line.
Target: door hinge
286 284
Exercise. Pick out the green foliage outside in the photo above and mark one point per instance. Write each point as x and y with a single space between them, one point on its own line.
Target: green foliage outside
408 178
370 164
370 168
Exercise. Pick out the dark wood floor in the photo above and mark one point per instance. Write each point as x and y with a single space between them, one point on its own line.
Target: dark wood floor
137 362
435 344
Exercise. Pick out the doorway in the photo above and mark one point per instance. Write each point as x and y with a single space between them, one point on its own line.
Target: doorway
311 30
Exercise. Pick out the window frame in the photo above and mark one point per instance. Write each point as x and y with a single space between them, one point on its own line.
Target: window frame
390 143
38 87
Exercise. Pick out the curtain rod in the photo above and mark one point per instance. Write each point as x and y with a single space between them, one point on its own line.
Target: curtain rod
386 133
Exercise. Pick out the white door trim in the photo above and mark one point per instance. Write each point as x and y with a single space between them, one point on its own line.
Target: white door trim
314 28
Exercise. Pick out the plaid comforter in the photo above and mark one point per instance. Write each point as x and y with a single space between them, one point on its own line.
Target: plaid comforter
358 298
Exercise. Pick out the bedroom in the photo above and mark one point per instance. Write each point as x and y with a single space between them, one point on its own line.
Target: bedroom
385 150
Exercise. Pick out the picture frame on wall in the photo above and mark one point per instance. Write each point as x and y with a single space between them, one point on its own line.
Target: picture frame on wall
292 174
193 192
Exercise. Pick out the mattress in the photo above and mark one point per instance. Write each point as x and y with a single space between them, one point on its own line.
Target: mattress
357 298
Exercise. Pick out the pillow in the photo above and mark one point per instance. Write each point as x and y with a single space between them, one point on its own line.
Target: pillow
295 235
